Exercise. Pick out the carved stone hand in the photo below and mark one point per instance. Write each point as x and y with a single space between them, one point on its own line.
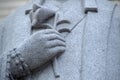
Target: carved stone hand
42 47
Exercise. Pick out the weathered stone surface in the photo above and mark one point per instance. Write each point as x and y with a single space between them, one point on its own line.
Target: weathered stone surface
70 44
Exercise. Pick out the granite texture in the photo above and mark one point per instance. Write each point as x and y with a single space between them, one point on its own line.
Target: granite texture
58 40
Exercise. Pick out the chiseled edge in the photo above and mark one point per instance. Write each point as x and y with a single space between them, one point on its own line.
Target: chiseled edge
90 6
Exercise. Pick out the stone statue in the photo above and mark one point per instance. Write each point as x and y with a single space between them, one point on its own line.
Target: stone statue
61 40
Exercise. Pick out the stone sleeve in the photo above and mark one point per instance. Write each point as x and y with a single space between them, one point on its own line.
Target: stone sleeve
3 67
12 66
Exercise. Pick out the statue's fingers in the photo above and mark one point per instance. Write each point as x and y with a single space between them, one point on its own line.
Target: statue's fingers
44 33
47 31
55 43
54 36
58 49
53 32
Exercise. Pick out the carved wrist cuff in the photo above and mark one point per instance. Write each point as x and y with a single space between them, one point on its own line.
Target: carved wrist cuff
16 65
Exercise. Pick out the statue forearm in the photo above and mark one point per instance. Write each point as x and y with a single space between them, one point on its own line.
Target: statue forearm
23 63
40 48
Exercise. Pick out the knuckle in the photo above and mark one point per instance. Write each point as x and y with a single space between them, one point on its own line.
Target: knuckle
49 30
57 41
38 33
53 36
